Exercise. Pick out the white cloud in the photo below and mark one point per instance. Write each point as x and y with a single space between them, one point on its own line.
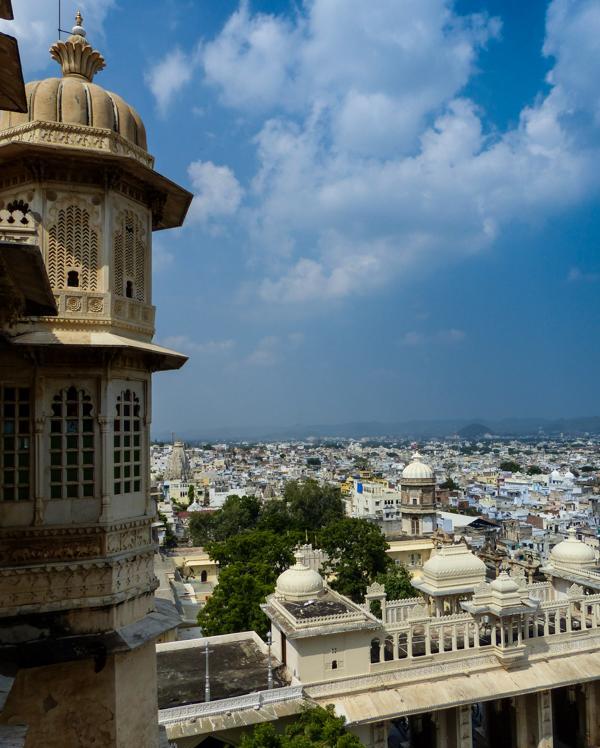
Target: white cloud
449 337
372 164
271 349
168 77
36 21
217 191
266 353
251 60
187 345
577 274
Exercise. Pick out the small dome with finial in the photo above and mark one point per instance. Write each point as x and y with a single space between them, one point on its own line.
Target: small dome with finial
418 470
299 582
75 99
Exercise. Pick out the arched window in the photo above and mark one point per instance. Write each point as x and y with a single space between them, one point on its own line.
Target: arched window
204 576
388 649
375 652
129 289
127 444
73 279
15 443
71 445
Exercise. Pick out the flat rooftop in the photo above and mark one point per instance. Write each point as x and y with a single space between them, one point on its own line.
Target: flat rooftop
325 605
235 667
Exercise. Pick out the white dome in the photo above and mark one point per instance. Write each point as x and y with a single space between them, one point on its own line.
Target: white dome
573 552
299 582
417 470
453 562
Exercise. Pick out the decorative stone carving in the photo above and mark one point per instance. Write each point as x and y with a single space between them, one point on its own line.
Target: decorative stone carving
76 585
80 136
95 305
35 545
419 611
73 304
575 590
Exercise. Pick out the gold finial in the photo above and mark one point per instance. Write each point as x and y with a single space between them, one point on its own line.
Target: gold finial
78 29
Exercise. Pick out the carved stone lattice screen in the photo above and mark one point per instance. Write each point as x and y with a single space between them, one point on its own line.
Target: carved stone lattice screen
73 244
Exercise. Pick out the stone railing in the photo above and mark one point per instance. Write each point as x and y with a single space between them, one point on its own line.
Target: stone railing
18 227
75 303
540 590
255 700
395 611
419 635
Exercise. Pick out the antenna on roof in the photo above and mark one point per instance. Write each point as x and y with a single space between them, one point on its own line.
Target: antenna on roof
60 28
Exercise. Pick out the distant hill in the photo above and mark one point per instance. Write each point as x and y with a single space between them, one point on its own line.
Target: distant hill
465 428
474 431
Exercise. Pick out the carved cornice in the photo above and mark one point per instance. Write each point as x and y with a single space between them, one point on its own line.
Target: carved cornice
67 586
80 136
21 547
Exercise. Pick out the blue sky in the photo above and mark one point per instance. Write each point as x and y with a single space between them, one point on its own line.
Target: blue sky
396 202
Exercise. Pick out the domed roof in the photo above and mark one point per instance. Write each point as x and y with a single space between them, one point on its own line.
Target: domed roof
453 562
417 470
299 582
74 99
573 552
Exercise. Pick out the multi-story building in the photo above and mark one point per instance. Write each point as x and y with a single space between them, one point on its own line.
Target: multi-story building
78 617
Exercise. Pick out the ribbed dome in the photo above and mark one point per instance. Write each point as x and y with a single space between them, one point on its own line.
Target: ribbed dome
417 470
453 562
74 99
299 582
573 552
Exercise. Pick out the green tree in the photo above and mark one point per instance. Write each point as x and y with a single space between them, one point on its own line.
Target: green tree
397 582
191 493
357 554
236 600
534 470
450 484
201 527
170 540
237 514
510 466
315 727
254 546
312 505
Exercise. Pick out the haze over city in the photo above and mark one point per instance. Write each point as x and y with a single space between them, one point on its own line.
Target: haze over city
411 233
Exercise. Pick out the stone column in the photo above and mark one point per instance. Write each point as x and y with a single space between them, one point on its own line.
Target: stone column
464 727
522 731
592 714
106 476
39 463
545 737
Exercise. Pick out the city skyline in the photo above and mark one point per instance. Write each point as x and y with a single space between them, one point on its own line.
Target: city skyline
462 283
